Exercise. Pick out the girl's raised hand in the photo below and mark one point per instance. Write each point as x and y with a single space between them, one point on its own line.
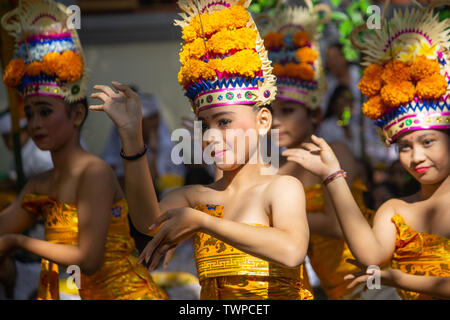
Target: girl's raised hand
316 157
123 107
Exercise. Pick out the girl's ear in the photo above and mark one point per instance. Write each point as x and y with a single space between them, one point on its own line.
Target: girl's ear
264 121
78 113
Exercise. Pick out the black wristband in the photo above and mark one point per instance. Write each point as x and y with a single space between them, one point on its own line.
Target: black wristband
134 157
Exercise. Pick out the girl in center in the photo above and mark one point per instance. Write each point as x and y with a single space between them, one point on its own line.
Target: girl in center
251 232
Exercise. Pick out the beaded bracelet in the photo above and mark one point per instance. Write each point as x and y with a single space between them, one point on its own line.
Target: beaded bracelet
333 176
134 157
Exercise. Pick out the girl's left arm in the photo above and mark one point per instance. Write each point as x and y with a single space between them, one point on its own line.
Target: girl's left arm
95 197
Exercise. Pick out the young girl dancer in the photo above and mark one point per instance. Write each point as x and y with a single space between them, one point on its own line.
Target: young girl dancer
406 81
251 232
83 207
292 41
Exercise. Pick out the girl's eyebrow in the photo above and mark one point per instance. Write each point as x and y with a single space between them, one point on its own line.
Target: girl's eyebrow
39 103
221 114
425 135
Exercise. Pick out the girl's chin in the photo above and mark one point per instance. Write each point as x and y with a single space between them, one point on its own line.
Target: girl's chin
429 178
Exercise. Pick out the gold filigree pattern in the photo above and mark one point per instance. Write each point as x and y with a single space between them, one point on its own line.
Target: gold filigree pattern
228 273
419 253
120 277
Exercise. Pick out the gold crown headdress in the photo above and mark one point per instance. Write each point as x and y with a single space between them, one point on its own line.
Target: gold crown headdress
407 78
223 59
48 58
291 37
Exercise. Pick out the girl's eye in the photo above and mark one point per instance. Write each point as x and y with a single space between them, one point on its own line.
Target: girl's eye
287 110
428 142
45 112
403 147
204 127
28 115
224 122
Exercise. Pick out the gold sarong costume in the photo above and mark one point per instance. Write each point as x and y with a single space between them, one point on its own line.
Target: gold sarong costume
328 255
120 277
226 273
419 253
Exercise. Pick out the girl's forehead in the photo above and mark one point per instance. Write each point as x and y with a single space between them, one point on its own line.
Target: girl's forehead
419 134
43 101
234 110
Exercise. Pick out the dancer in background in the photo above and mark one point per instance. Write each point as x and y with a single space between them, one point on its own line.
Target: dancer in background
406 82
250 228
80 200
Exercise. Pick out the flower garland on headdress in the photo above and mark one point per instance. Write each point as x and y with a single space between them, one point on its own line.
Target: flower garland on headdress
223 60
291 38
48 59
406 80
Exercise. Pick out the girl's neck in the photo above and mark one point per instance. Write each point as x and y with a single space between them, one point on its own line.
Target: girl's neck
64 157
436 189
239 178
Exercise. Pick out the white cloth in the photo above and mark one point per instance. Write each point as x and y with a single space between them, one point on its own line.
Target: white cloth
34 161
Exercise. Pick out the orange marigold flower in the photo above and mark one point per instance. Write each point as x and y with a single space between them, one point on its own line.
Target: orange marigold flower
373 71
370 86
300 39
394 94
396 71
306 54
373 108
432 87
226 40
35 68
273 40
278 70
71 66
423 68
306 72
292 70
51 63
370 83
231 18
245 62
300 71
14 72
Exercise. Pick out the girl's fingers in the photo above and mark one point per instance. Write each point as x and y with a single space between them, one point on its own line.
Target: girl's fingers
291 152
159 252
127 91
168 257
309 146
320 142
165 216
349 277
100 96
96 108
107 90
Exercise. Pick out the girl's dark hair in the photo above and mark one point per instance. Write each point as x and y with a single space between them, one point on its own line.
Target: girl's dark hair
340 90
72 105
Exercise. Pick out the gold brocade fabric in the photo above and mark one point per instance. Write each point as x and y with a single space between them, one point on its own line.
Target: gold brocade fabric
120 277
228 273
419 253
328 255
